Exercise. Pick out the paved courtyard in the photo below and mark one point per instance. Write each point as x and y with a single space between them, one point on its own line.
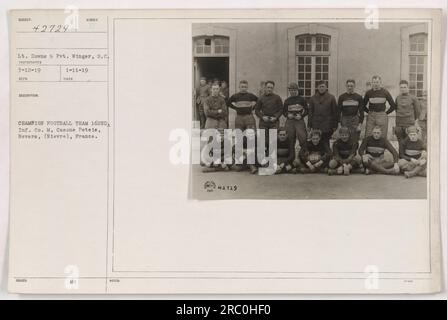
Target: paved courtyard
309 186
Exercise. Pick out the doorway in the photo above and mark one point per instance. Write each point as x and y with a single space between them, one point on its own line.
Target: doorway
211 68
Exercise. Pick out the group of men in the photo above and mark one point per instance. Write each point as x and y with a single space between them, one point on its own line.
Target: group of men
325 115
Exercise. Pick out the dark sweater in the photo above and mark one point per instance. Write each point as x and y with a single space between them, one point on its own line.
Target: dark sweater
286 150
377 148
409 149
269 105
344 150
212 106
351 104
321 148
242 100
377 101
296 105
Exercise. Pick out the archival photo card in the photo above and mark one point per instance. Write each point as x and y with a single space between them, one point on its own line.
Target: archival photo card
276 151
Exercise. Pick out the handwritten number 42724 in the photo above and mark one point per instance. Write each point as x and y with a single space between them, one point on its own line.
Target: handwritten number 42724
51 28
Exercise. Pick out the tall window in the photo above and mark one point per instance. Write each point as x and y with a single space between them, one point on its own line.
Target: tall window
418 63
212 46
312 58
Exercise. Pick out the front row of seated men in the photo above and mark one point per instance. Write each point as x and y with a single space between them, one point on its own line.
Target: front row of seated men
346 156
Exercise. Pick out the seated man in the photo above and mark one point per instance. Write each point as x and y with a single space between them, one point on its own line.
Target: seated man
344 154
372 151
315 155
285 152
413 154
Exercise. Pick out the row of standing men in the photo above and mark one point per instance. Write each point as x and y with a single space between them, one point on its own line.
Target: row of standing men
323 111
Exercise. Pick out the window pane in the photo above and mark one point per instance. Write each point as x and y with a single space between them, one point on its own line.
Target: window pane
420 77
312 66
304 43
322 43
417 42
421 47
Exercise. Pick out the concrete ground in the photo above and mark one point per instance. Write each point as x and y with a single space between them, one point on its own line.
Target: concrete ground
309 186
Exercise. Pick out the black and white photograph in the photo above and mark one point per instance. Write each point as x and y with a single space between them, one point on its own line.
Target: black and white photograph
311 110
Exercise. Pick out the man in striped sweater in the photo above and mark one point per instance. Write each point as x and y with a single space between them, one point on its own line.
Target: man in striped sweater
372 151
375 105
413 155
350 105
344 154
295 109
243 102
315 154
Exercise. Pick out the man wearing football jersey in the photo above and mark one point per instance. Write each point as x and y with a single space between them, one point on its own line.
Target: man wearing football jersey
285 149
315 154
344 154
375 105
372 151
413 154
350 105
243 103
295 109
